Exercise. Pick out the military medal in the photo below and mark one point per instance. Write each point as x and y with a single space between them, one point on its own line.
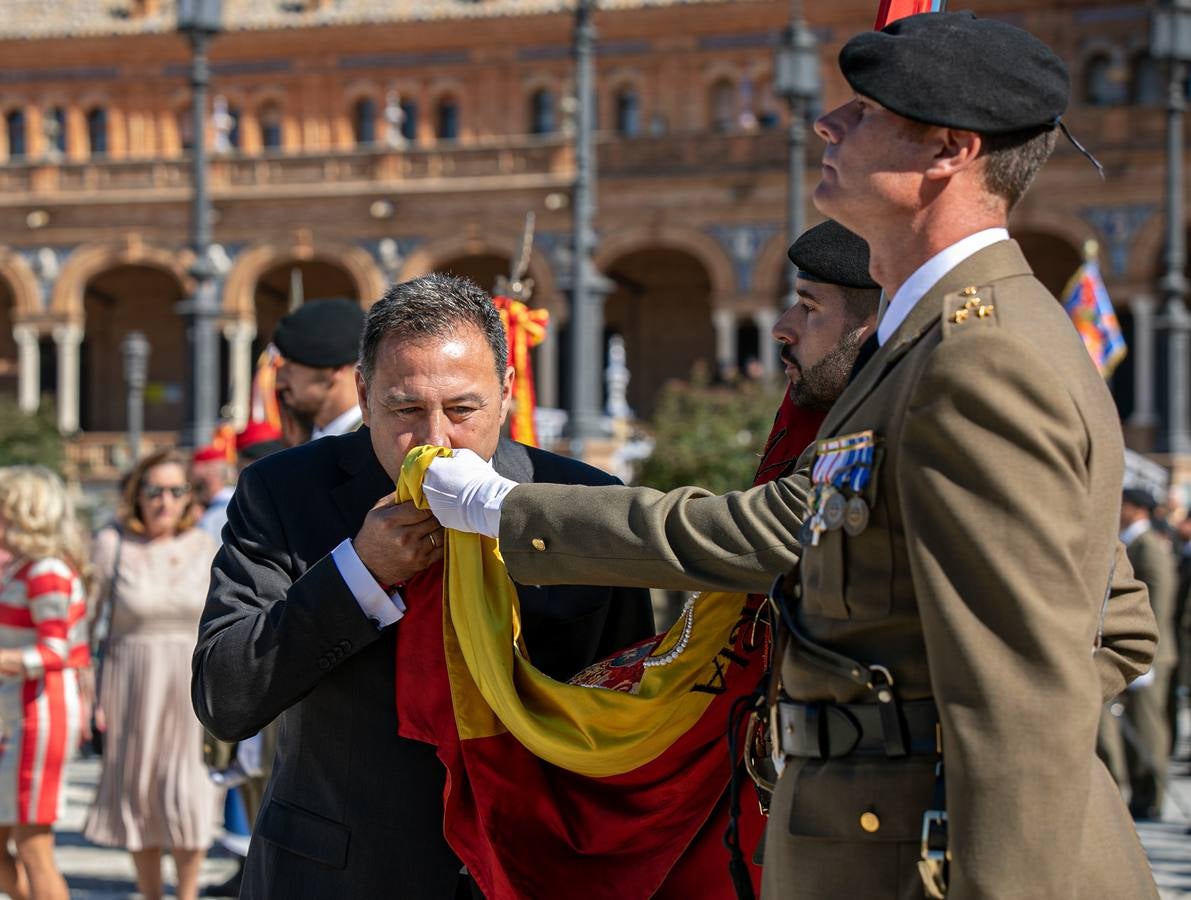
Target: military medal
833 509
855 516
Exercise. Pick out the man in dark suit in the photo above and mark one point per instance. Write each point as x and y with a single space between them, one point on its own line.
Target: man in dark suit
310 581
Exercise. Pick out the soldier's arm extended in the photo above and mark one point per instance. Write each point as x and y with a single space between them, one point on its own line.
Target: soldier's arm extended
1009 580
1130 634
686 539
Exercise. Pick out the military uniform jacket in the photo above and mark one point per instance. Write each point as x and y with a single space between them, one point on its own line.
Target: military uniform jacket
1154 565
979 581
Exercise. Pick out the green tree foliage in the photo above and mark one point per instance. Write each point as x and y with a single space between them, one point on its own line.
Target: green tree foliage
709 436
29 438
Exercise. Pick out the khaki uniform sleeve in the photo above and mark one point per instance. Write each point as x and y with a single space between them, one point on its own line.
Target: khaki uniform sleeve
1130 633
996 506
686 539
1154 566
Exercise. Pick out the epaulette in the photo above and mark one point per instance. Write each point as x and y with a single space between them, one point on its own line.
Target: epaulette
972 307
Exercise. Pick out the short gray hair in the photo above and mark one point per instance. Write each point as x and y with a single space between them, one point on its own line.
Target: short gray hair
434 305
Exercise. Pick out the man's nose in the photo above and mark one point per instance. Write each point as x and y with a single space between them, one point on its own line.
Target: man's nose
829 127
436 433
783 329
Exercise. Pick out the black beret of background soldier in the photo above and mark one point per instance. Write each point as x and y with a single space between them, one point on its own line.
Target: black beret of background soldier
831 254
316 383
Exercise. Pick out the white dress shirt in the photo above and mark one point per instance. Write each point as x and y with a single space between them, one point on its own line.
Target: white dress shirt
1134 531
927 275
376 604
342 424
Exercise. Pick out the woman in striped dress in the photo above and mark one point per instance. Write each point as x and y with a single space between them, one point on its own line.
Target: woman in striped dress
43 644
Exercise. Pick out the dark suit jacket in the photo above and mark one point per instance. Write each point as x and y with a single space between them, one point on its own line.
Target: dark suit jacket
352 810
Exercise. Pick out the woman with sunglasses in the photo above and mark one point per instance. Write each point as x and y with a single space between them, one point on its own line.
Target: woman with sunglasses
151 573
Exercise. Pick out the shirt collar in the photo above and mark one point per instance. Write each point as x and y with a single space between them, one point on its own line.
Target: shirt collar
1134 531
927 275
341 424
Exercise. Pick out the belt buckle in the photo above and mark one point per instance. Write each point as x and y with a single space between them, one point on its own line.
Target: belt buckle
931 819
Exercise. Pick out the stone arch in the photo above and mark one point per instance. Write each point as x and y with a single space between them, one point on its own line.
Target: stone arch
26 291
769 267
701 246
66 299
1053 257
252 263
427 257
662 306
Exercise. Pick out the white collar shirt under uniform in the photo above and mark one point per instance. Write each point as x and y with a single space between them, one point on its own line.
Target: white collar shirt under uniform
927 275
1134 531
342 424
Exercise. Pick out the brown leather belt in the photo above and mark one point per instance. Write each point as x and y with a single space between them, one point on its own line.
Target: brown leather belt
830 730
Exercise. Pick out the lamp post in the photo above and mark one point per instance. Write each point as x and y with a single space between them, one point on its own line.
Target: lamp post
796 80
588 286
200 20
135 350
1170 42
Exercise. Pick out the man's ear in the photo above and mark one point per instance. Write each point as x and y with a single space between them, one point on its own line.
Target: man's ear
506 393
362 396
957 151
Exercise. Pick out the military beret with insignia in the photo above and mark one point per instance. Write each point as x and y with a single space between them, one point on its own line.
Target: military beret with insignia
323 334
958 71
831 253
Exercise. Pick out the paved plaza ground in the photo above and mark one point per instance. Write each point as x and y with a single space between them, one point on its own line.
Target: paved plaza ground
94 872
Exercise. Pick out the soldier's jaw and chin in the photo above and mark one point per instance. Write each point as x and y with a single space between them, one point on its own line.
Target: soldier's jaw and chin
821 384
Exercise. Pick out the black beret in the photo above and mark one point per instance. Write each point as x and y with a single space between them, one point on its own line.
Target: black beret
1140 497
323 334
832 254
958 71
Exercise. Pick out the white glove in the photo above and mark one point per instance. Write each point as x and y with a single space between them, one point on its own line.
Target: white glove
465 493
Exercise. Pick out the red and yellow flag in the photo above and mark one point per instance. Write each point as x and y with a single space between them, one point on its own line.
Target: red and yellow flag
600 787
525 329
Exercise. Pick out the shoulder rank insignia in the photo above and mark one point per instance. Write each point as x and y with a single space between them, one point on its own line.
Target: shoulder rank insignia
971 305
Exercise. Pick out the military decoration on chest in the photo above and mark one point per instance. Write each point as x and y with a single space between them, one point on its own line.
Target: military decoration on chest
843 468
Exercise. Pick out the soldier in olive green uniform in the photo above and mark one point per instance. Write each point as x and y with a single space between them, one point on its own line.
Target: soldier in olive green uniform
1139 758
964 605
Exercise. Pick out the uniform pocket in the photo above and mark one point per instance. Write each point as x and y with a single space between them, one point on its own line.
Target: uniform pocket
823 577
862 799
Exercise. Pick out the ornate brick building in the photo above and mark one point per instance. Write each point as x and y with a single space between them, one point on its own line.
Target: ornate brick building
355 142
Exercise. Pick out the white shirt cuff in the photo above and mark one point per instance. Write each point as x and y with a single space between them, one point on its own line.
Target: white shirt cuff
374 602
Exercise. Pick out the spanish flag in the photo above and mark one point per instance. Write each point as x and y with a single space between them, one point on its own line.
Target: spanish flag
602 787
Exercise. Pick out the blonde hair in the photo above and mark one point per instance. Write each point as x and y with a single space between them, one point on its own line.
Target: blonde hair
40 517
129 515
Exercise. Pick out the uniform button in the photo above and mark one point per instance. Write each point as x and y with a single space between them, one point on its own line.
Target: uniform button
346 645
538 544
869 822
324 663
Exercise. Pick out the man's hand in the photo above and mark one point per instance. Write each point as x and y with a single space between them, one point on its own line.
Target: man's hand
398 540
465 492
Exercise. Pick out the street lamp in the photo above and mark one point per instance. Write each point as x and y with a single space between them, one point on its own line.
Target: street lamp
200 20
588 286
135 350
796 80
1170 42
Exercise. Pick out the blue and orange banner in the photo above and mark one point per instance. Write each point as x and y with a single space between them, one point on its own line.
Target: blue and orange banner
1087 303
892 10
